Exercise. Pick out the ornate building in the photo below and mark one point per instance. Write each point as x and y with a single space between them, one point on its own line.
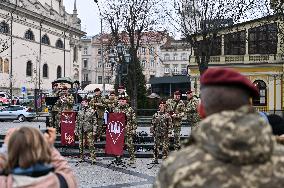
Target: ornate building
40 42
254 48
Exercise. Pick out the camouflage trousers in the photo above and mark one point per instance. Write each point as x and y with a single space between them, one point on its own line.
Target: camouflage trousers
177 129
99 128
82 144
164 141
54 121
128 140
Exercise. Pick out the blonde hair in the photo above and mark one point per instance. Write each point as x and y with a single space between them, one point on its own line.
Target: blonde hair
26 147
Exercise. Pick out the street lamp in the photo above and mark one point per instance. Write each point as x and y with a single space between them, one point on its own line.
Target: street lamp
102 55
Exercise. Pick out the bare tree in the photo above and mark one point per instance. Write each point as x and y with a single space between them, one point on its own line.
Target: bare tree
199 22
128 22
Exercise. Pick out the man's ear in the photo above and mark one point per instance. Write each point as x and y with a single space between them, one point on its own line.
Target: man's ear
201 110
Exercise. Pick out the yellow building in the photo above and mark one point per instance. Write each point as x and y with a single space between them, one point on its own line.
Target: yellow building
255 49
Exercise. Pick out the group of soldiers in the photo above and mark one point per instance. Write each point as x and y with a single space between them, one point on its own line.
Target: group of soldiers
168 119
91 118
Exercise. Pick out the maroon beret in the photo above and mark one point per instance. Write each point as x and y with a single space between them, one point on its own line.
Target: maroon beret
177 93
162 102
112 93
122 98
228 77
64 88
97 89
121 87
189 92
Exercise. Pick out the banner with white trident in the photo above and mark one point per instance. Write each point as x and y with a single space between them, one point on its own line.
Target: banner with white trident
115 134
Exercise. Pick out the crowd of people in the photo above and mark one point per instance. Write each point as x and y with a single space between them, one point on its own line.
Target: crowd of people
232 145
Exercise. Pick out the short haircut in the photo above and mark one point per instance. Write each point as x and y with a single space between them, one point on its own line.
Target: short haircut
219 98
27 147
277 124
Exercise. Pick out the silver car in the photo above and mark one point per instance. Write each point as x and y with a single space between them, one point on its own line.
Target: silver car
20 113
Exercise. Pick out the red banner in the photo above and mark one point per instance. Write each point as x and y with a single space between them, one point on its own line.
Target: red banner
67 128
115 134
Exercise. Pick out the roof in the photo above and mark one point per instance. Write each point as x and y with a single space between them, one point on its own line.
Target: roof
170 80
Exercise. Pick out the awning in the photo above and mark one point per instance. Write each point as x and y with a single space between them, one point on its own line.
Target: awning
92 87
169 80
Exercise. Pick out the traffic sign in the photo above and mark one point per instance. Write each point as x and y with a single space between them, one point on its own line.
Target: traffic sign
23 89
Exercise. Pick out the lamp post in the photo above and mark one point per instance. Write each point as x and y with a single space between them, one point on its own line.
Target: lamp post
102 55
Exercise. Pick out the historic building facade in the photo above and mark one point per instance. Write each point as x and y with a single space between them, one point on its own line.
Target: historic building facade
40 42
254 48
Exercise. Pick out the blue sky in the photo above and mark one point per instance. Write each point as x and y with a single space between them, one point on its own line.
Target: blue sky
88 13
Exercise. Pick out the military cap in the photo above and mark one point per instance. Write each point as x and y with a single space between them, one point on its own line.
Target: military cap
162 102
97 89
227 77
122 98
189 92
121 87
177 93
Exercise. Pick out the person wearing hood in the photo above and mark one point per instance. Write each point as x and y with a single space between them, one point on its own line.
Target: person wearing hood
234 146
28 159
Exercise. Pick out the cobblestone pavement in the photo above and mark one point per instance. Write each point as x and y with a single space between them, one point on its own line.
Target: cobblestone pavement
102 175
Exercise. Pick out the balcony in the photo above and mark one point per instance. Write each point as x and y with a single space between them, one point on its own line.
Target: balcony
234 58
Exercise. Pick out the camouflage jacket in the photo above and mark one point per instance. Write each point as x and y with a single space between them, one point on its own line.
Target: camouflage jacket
232 149
191 109
87 120
67 102
161 124
111 104
98 103
175 107
131 122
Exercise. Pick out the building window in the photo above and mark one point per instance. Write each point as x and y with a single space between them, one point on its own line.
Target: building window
152 63
167 57
100 64
184 56
152 51
175 69
143 63
29 35
29 68
263 39
6 66
99 51
143 50
183 69
45 71
261 100
45 40
85 51
100 79
85 63
59 72
86 77
59 43
175 57
235 43
167 69
107 79
75 54
212 46
4 27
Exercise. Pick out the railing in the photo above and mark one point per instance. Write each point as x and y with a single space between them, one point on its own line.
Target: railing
235 58
259 58
261 108
214 59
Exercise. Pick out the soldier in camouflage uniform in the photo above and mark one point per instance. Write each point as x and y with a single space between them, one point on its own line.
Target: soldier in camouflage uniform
130 127
111 102
86 127
160 128
175 107
122 92
98 103
234 146
53 120
191 109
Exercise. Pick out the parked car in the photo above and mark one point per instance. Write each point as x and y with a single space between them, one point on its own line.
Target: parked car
4 98
20 113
